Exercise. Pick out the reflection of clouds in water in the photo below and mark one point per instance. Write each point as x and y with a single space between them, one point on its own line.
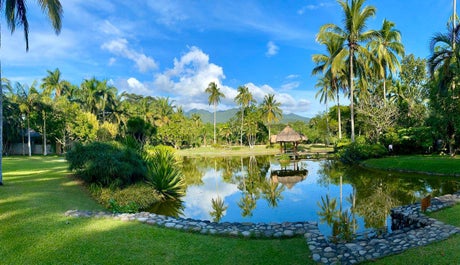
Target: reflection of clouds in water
198 200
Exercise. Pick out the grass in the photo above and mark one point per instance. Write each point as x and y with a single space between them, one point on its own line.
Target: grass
33 229
442 165
229 151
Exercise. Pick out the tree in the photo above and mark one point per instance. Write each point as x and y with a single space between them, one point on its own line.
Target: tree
386 48
444 68
271 111
244 99
214 98
332 73
54 83
15 12
355 17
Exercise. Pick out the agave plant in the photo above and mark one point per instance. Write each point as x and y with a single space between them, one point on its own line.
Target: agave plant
164 175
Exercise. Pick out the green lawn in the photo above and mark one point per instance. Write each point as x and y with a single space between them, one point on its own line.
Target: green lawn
33 229
443 165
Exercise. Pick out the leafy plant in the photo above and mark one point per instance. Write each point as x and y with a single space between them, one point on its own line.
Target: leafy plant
106 164
163 173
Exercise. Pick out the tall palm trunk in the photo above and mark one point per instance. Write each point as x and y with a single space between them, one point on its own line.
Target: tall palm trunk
352 96
242 123
29 145
45 152
215 109
339 116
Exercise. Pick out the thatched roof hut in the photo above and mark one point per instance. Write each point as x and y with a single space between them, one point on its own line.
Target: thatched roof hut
289 135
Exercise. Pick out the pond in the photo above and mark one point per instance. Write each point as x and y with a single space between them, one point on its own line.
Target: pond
261 189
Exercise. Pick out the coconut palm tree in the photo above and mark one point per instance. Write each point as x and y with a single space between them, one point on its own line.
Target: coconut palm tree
244 99
271 111
387 49
325 66
214 98
353 31
54 83
15 12
324 93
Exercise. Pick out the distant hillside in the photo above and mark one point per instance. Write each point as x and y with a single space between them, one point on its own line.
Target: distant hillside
225 115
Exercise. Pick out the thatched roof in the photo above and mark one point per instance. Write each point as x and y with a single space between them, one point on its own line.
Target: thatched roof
289 135
289 180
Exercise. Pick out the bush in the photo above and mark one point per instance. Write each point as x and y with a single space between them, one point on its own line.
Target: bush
106 164
359 151
163 173
133 198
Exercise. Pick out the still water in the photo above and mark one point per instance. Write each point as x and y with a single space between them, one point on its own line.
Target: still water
261 189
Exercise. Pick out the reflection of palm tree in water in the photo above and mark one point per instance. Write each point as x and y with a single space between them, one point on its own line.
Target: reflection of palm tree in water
217 204
272 192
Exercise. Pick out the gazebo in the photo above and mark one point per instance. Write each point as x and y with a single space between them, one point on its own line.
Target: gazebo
288 135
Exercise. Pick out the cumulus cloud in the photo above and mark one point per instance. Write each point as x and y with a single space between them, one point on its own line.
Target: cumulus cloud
136 87
272 49
190 76
120 47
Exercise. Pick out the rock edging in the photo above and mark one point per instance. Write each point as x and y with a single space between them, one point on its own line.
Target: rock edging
413 229
247 230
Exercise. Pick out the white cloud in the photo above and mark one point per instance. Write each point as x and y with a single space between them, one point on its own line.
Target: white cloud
272 49
120 47
190 76
136 87
290 85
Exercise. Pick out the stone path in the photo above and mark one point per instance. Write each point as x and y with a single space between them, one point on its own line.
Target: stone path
413 229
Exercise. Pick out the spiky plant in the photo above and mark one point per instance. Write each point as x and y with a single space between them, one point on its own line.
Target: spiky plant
164 175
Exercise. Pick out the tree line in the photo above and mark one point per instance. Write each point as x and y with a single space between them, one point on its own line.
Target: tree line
394 98
95 111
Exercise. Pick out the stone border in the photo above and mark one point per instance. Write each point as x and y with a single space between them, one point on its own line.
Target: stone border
414 229
247 230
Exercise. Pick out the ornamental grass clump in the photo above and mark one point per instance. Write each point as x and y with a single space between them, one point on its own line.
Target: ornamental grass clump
163 173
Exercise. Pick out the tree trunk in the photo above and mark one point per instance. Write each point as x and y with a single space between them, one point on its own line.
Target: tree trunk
215 109
339 118
352 98
45 152
242 118
29 146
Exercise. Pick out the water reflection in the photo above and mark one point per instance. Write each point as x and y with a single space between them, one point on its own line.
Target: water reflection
259 189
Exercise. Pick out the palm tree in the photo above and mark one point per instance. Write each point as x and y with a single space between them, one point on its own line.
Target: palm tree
325 66
444 67
355 17
53 82
387 47
15 12
271 111
325 92
214 98
244 98
27 98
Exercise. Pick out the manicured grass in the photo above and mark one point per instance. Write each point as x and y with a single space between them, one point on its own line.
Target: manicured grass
33 229
445 252
229 151
443 165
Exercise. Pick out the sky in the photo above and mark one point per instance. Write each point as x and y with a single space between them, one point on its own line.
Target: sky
171 48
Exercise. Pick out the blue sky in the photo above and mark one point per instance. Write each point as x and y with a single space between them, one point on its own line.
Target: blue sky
176 48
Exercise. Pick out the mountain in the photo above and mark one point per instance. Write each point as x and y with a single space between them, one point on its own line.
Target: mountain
225 115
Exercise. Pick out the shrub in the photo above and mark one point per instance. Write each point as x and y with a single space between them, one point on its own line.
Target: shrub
163 173
133 198
106 164
359 151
